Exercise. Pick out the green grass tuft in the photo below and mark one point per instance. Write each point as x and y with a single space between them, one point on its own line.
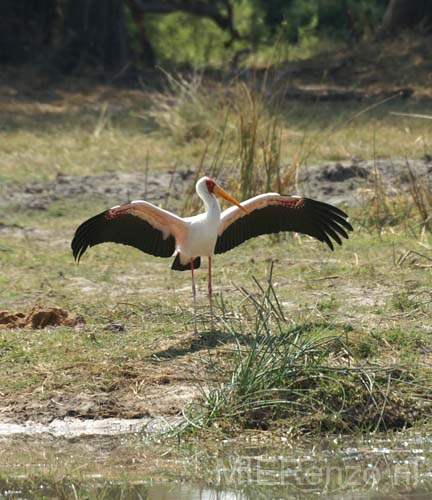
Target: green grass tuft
305 375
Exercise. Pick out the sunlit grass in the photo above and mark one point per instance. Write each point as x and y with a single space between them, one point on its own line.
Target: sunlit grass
371 295
130 131
318 374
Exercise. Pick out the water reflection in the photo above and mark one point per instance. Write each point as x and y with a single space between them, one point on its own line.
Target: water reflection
160 491
185 492
106 467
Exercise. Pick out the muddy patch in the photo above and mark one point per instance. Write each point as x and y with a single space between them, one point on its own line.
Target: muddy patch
354 181
145 399
115 188
158 386
23 233
334 182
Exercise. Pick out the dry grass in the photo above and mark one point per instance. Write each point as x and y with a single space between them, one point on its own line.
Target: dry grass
97 129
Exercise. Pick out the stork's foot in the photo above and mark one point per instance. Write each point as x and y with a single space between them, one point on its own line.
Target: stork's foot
196 333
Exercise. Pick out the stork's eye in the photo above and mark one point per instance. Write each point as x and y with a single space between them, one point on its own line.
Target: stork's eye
210 183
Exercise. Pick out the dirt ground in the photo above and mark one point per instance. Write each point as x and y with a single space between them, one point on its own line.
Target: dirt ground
336 182
160 386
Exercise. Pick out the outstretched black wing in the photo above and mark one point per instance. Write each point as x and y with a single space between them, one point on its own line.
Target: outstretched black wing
124 224
273 213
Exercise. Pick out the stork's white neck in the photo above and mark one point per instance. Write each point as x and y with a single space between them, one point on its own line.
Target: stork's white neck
210 201
212 205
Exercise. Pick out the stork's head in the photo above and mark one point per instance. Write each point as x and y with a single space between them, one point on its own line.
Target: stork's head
207 186
210 184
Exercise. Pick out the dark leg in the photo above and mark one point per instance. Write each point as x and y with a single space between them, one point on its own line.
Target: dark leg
210 293
194 297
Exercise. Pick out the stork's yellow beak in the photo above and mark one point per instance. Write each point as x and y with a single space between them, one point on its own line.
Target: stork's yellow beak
223 194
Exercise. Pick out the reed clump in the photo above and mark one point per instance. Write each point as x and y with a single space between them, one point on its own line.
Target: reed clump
306 377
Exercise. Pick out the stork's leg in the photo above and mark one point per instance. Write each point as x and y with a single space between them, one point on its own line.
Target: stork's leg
194 297
210 291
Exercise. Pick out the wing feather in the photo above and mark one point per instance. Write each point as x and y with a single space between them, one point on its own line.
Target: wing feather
138 224
272 213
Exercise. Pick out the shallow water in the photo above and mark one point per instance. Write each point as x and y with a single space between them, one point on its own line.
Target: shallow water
127 465
76 427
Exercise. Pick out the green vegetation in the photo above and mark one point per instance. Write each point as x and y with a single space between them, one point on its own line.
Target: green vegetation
345 334
295 26
280 370
327 335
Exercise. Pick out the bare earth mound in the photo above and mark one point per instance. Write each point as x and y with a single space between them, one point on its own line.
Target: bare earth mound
39 317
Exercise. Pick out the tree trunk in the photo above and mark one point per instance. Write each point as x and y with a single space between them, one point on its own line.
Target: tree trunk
147 55
406 14
26 29
94 36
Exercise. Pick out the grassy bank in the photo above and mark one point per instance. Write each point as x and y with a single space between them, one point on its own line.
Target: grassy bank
333 342
354 324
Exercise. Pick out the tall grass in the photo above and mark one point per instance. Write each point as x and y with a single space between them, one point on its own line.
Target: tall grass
421 194
410 210
183 110
303 375
240 127
237 124
259 144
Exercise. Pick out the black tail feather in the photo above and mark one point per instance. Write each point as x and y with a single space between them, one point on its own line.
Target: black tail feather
178 266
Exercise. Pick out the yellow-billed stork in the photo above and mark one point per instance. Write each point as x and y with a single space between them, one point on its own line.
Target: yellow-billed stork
161 233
